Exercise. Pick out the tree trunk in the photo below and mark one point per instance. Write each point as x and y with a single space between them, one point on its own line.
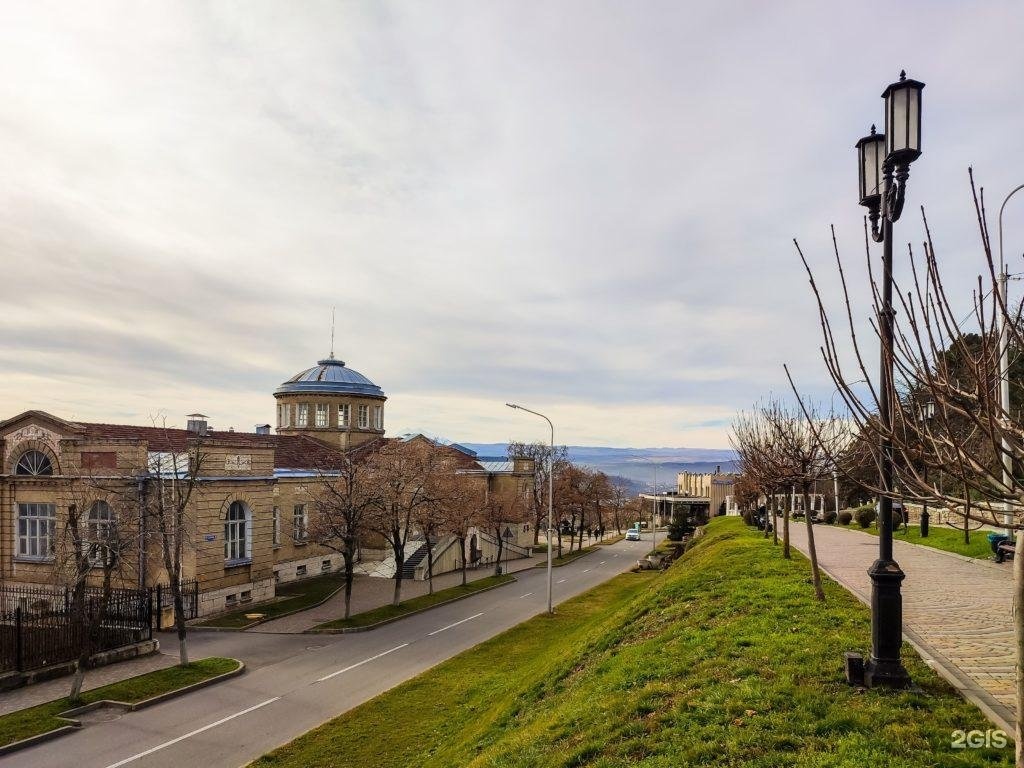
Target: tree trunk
462 549
350 563
398 547
559 529
775 520
785 528
179 622
430 567
812 552
501 544
967 520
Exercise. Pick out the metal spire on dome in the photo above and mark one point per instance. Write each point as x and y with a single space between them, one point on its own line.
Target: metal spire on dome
332 333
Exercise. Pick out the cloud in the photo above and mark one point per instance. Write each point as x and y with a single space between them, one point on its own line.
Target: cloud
587 205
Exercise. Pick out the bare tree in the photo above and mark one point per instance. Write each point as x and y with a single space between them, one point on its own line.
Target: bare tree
464 500
500 510
345 498
756 442
539 452
169 500
99 535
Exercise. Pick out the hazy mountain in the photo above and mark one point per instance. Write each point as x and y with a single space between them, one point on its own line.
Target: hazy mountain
638 465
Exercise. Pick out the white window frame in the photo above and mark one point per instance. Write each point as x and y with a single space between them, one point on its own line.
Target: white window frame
300 523
238 533
343 415
364 416
99 528
277 526
322 411
37 524
302 417
378 417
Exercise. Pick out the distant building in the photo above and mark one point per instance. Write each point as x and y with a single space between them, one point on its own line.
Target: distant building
715 486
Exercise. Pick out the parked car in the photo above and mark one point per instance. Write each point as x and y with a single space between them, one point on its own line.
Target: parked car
632 535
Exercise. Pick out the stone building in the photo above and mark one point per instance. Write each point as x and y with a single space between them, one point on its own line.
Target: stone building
255 492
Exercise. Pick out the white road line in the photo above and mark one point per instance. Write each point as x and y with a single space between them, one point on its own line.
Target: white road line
442 629
166 744
602 562
526 595
587 570
616 554
559 581
360 663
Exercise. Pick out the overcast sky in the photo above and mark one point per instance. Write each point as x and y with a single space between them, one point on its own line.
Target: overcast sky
584 207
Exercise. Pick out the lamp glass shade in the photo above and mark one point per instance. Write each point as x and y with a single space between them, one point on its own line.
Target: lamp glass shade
903 120
870 157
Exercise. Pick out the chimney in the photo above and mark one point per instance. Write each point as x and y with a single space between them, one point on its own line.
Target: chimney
262 429
196 424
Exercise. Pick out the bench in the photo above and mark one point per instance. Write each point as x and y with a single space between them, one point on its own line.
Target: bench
1005 551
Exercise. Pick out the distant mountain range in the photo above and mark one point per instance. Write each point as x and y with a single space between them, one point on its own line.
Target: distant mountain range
637 465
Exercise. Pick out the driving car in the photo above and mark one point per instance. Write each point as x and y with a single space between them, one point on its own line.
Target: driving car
632 535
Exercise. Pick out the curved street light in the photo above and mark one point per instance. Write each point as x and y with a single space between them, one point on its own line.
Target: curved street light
551 492
1004 364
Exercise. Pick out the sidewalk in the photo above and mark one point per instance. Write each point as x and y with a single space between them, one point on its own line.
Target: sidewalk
40 693
957 610
370 592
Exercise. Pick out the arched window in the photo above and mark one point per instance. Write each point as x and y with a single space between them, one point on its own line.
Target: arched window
34 463
237 540
99 533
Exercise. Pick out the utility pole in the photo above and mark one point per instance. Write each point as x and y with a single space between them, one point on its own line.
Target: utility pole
1004 368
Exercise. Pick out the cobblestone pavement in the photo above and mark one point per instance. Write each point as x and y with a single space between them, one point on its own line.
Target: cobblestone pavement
371 592
958 608
40 693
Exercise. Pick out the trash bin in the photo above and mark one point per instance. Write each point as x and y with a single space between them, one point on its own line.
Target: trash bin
995 539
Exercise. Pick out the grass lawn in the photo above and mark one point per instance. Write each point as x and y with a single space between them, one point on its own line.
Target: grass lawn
39 719
947 539
386 612
296 595
725 659
567 556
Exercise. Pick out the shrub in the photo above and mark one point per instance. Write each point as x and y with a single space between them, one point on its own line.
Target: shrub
828 516
748 518
845 517
865 515
897 520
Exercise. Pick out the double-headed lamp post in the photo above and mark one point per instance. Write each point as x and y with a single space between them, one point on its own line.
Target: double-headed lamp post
925 413
551 492
884 167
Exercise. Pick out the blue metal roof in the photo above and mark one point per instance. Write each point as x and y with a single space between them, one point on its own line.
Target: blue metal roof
330 377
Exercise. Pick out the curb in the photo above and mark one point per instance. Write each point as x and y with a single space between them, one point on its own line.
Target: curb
368 627
256 623
74 725
567 562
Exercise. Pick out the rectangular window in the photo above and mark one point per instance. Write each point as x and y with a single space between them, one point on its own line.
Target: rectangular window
378 417
321 415
303 420
364 416
36 524
325 565
342 416
299 531
300 570
277 526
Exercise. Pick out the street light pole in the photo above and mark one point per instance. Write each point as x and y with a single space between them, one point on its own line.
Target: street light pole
654 523
551 494
884 168
1004 367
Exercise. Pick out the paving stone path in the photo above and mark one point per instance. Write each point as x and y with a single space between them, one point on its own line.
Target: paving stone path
956 609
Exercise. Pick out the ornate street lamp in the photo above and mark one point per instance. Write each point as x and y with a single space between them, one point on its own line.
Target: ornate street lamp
885 203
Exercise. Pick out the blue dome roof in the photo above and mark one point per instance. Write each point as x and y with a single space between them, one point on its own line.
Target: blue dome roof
330 377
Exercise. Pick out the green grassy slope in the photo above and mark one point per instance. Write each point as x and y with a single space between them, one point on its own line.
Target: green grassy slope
724 660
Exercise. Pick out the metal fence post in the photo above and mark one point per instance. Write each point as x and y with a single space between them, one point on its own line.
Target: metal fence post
149 612
159 606
17 639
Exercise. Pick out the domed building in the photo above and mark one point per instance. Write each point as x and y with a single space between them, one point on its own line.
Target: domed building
332 403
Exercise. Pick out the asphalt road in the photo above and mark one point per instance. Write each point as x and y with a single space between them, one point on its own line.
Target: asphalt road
296 682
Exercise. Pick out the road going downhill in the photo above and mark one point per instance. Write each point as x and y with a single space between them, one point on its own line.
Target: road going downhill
297 682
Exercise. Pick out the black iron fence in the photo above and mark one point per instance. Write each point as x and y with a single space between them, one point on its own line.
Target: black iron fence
40 625
164 598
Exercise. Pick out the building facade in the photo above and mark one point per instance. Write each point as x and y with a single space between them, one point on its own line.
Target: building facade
254 496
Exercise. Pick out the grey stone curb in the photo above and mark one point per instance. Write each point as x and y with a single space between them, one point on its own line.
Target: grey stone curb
367 628
567 562
73 725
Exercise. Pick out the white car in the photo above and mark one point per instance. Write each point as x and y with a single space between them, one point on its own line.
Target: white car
632 535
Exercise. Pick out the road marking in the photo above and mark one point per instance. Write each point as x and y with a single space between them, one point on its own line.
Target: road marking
166 744
587 570
526 595
360 663
602 562
442 629
559 581
616 554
